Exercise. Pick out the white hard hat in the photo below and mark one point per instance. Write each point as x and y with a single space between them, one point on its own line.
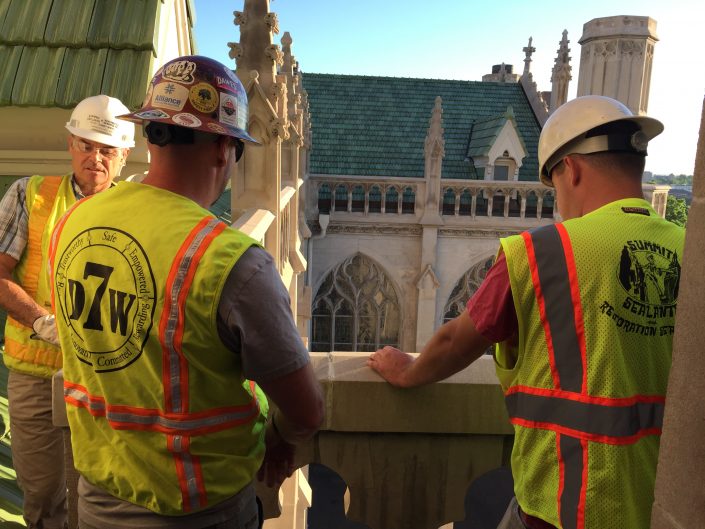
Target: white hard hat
567 131
95 119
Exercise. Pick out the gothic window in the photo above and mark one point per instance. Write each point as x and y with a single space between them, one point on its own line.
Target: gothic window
449 202
375 200
465 203
391 201
355 309
358 198
324 199
341 198
465 288
481 205
498 204
547 210
408 200
531 204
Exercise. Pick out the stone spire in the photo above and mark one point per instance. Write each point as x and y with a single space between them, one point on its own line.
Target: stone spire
528 50
560 75
255 51
435 143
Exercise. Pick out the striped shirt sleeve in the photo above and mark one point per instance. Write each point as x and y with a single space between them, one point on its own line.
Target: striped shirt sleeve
14 219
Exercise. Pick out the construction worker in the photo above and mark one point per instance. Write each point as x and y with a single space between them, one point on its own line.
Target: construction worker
582 359
166 315
98 143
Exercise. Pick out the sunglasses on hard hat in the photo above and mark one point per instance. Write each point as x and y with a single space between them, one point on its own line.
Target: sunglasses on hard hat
84 147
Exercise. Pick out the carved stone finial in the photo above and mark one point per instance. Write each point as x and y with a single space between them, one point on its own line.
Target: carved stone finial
273 22
235 50
528 50
286 39
560 75
435 142
240 18
274 53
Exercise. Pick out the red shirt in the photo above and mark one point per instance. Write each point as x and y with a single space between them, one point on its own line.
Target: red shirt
491 308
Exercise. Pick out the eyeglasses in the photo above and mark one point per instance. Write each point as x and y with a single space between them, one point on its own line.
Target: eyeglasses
84 147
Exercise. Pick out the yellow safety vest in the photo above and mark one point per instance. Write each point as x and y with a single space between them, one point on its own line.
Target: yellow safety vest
48 198
585 387
159 411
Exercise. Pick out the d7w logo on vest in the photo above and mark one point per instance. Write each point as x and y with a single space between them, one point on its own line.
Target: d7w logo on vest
105 294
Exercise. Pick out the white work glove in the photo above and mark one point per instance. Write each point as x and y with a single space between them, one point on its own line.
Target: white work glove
45 329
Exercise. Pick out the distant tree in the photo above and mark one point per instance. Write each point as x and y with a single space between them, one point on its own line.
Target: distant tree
676 211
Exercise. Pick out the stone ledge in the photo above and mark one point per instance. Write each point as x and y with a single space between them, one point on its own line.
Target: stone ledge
358 400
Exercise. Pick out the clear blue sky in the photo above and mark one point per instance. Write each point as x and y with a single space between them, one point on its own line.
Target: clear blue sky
462 39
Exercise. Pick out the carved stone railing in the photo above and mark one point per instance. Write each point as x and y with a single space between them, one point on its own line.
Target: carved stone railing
367 197
407 457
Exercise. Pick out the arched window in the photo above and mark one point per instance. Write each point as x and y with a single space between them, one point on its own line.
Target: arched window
341 198
465 288
391 201
448 202
547 209
324 199
355 309
375 200
408 200
481 205
358 198
498 203
531 203
465 203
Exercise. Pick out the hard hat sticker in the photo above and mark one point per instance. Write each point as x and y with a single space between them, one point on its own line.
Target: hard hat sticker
228 109
170 95
217 128
155 113
228 84
203 97
186 120
180 71
101 125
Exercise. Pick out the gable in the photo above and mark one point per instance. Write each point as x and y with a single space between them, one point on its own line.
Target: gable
376 126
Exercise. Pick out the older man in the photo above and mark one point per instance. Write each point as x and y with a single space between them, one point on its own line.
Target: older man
99 144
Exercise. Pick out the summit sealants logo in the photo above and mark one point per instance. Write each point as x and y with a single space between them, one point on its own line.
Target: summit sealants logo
649 273
105 292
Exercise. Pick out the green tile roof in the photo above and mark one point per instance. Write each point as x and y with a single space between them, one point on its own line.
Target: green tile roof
54 53
376 126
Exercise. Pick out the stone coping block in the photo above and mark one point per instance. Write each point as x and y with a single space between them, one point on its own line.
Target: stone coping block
359 400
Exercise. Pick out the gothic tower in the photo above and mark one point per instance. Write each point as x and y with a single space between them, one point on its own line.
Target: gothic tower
616 58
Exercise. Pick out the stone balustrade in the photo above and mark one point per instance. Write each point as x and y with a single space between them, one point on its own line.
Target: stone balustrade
366 196
408 456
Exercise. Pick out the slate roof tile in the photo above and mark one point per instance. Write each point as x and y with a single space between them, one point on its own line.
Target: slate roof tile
376 126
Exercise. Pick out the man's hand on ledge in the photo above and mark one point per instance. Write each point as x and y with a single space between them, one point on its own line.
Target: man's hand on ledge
391 364
278 461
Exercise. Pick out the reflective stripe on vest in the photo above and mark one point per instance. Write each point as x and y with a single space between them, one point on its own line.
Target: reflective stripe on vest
567 409
174 421
34 354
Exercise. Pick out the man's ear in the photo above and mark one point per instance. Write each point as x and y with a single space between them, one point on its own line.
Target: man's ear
222 146
574 165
